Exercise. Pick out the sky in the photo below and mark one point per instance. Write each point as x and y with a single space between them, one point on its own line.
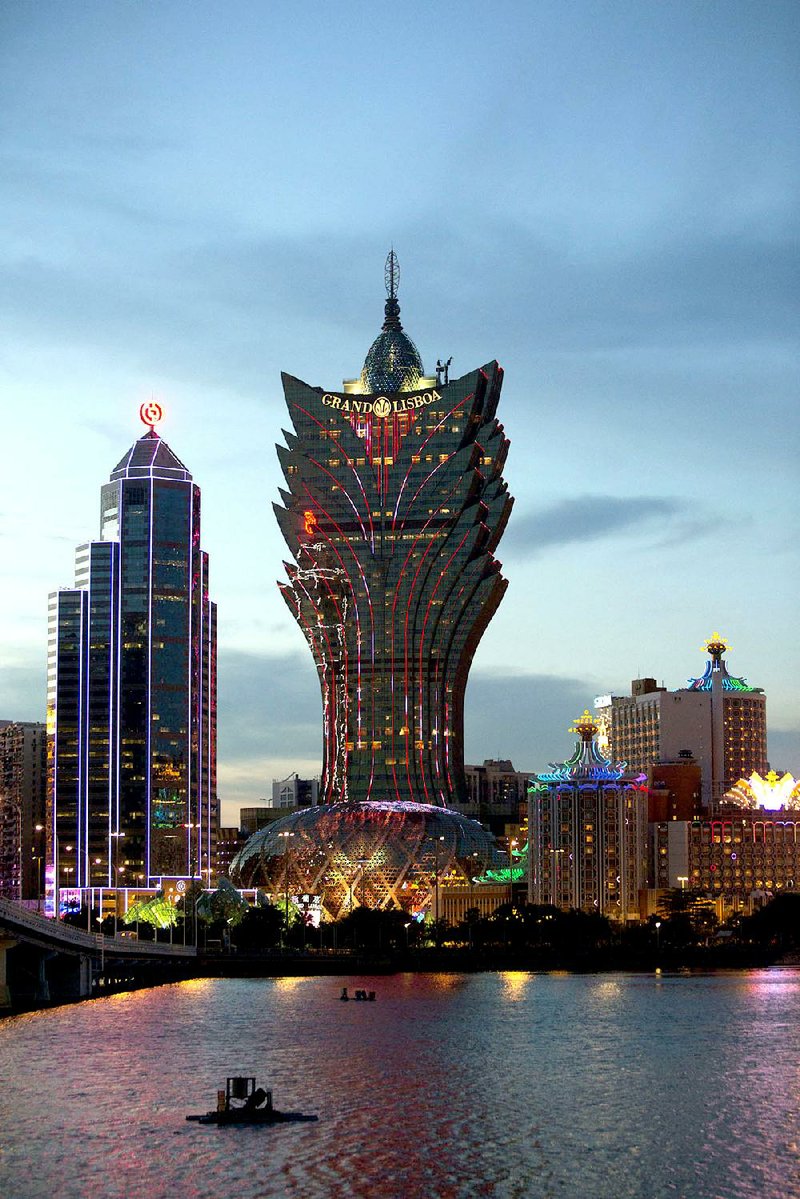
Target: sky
603 196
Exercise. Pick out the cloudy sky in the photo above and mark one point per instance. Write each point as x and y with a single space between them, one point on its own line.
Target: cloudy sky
603 196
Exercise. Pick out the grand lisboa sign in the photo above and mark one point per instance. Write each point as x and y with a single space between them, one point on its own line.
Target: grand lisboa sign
381 406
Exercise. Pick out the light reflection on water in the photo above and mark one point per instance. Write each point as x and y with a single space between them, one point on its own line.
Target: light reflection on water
449 1086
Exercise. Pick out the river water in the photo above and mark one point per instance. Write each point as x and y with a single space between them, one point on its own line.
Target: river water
497 1086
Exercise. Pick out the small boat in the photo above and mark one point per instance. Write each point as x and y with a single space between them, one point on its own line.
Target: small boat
359 997
242 1102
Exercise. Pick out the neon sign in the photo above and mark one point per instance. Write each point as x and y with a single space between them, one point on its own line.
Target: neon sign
382 406
151 413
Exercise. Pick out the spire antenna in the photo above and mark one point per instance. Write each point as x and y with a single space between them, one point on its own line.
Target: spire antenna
391 274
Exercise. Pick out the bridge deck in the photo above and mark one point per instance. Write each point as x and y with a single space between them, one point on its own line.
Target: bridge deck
24 925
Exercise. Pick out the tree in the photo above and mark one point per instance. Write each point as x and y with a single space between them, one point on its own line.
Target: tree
224 907
259 928
775 925
156 911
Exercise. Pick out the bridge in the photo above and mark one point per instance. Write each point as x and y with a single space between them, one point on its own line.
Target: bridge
44 961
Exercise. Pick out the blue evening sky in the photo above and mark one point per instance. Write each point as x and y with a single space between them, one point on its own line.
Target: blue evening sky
604 196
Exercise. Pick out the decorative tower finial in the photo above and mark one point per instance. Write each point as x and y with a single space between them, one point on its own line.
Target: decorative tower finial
391 276
585 726
716 646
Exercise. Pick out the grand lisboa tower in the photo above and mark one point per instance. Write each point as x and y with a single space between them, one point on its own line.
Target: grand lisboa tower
393 507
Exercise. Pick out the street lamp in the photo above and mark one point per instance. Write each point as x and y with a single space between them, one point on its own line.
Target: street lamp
658 934
117 869
286 836
38 829
436 884
512 842
471 881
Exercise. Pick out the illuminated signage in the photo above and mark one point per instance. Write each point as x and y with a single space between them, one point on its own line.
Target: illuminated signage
310 523
382 406
151 413
309 908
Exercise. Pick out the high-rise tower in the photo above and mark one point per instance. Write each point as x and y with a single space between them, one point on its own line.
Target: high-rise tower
132 687
394 505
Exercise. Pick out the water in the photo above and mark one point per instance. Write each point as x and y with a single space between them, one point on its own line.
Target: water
448 1087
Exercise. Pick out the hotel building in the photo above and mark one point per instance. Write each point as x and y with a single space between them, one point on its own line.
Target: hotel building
393 507
745 854
587 824
719 720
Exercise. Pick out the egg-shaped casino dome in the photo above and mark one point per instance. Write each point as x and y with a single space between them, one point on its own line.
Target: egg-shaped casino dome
393 363
379 854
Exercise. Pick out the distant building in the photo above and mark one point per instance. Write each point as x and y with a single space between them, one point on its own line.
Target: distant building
748 852
588 833
719 720
23 777
252 819
496 793
132 688
675 789
228 843
294 792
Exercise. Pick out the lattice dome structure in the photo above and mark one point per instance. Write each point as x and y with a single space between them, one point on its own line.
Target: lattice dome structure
375 854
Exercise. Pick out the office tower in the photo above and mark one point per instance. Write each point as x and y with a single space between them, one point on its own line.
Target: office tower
719 720
22 809
393 507
587 826
132 687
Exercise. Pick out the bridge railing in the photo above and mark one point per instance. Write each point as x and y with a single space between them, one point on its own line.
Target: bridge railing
15 918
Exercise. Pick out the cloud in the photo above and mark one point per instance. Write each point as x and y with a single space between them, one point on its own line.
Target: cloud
784 750
271 718
524 717
270 707
23 689
592 517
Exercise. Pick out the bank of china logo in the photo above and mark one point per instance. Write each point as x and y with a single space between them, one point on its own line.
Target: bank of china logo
382 407
151 413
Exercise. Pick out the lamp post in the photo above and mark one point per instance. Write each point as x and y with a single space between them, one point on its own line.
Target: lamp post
117 870
286 835
658 935
512 841
436 842
471 893
38 829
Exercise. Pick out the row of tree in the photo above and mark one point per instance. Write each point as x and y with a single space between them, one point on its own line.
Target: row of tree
685 922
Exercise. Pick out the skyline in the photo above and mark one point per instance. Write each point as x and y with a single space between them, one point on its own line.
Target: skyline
195 201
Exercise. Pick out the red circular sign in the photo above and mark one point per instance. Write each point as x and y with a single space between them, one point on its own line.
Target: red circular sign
151 413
